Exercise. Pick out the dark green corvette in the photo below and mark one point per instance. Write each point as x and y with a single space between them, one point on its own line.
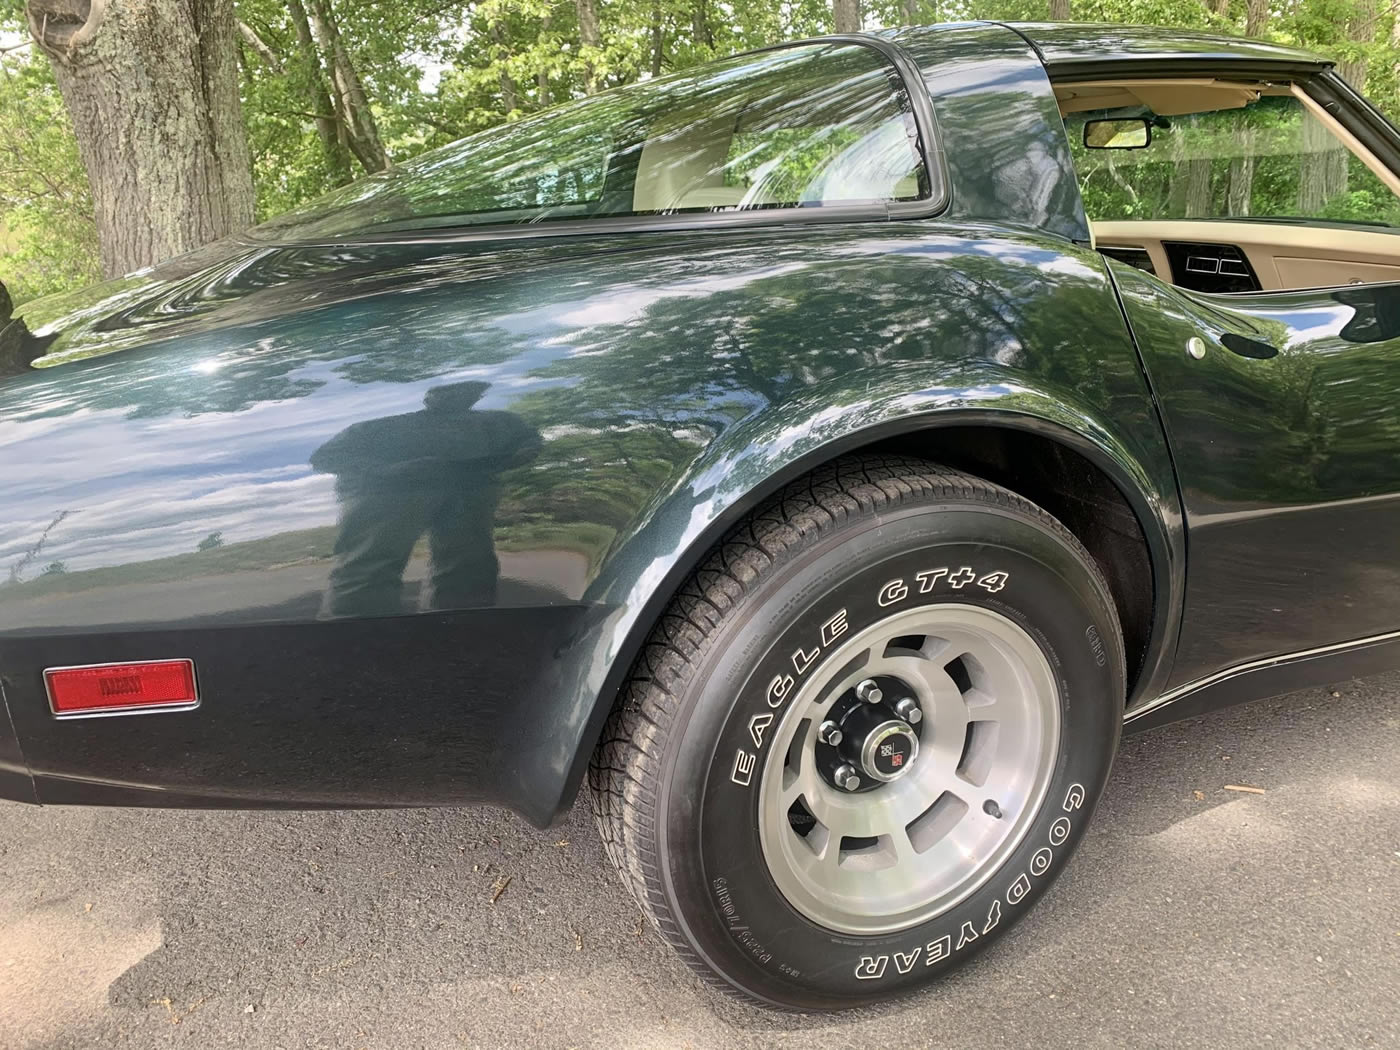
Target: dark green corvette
823 452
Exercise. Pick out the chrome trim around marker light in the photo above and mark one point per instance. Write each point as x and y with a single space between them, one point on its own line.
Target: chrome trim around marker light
111 712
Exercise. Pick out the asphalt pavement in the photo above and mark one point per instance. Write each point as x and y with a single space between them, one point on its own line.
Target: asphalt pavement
1193 915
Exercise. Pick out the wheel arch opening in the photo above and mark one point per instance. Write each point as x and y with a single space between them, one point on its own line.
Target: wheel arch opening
1046 471
1075 490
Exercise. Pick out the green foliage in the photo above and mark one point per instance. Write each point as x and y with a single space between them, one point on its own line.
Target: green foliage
48 240
1268 159
437 71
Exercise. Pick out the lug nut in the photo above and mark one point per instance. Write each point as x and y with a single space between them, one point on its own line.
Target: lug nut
829 733
909 711
869 691
846 777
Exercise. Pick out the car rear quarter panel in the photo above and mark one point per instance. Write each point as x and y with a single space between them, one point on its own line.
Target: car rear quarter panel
668 378
176 499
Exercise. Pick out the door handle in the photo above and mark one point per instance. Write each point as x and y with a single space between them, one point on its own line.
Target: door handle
1247 347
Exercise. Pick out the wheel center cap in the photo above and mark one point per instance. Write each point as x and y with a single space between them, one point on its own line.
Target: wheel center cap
889 750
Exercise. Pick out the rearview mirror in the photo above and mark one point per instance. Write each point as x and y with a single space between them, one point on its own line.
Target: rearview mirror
1135 133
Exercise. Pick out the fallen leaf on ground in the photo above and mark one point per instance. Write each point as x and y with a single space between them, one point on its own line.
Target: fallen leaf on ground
1199 796
501 885
578 941
175 1016
1245 787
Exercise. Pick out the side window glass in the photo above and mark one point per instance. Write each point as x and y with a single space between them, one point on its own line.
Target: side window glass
830 126
1270 158
802 126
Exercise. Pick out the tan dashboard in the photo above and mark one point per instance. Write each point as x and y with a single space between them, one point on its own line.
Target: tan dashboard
1282 257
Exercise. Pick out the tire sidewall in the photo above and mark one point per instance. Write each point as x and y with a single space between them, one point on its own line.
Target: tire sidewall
719 887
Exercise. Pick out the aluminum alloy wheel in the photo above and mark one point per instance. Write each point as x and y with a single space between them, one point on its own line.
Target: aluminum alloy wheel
886 859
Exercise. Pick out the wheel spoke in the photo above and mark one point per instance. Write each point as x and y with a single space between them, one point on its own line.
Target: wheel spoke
862 815
984 707
914 843
924 786
804 782
905 854
932 684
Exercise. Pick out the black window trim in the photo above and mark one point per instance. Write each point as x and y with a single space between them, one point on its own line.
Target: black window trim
925 124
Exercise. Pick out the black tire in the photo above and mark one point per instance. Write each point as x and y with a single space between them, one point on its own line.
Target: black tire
674 819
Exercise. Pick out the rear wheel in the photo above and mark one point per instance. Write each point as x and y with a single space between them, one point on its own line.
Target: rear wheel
865 736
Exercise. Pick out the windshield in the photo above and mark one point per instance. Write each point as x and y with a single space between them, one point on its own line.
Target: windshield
1265 157
812 125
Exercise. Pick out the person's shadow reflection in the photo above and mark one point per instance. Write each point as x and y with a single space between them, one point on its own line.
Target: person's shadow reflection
435 471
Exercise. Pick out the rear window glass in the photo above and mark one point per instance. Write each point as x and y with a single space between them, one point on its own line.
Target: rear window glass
805 126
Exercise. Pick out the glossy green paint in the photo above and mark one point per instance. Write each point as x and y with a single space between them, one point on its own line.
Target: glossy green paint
196 459
667 388
1287 441
999 131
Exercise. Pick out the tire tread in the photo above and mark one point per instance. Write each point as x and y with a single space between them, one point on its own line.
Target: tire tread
625 773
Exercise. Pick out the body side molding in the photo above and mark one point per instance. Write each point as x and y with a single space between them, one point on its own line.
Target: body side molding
1270 676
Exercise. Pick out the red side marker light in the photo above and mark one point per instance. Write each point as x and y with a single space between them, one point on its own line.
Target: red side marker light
121 688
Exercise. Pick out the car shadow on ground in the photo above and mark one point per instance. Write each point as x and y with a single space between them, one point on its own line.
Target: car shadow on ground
466 927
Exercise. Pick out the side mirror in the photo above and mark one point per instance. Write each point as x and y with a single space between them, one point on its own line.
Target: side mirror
1135 133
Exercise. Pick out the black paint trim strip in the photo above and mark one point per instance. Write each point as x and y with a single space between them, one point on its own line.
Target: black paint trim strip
1184 65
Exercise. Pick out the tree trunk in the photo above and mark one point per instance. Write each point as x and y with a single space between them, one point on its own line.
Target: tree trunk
1189 193
348 91
1353 71
1220 7
510 97
1239 195
1395 47
658 40
152 89
260 47
846 16
1256 17
1323 172
909 11
313 88
700 24
542 77
1059 10
1198 197
592 39
1361 27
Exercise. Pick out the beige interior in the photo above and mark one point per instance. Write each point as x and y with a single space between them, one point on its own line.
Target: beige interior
1282 256
1169 98
679 165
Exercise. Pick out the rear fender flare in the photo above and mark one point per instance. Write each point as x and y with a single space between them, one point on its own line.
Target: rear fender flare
757 456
